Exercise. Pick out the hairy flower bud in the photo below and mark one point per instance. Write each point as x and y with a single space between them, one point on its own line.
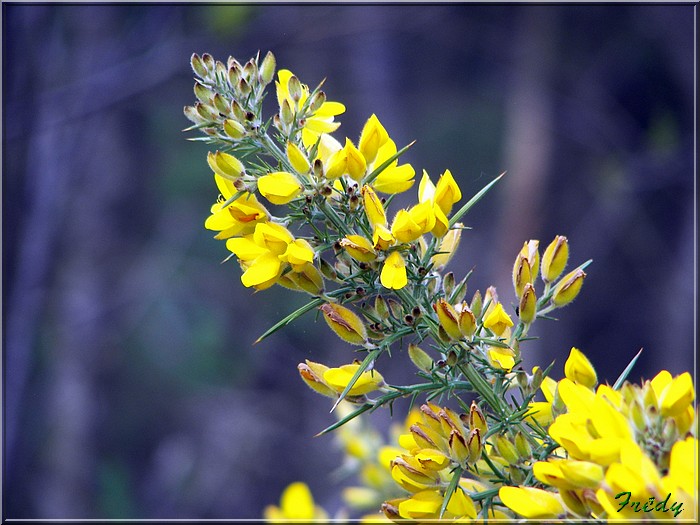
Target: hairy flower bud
555 258
420 358
345 323
294 87
580 370
234 129
568 288
527 309
203 93
198 66
522 275
449 319
267 68
477 419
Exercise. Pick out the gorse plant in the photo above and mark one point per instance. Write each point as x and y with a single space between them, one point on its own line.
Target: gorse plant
301 209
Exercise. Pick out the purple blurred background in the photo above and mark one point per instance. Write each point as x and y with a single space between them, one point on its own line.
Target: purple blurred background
131 386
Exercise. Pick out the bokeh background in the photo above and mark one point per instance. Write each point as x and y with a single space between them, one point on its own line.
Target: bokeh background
131 385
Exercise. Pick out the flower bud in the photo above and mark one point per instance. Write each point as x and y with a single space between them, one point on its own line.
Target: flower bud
203 93
205 111
420 358
192 115
208 61
449 320
372 137
250 71
220 104
554 258
448 284
198 66
530 251
308 279
374 209
238 112
568 288
506 449
467 321
294 87
498 320
522 445
522 275
477 419
476 304
225 165
243 88
346 324
234 75
527 310
381 307
318 99
267 68
457 445
219 70
580 370
474 446
286 113
233 129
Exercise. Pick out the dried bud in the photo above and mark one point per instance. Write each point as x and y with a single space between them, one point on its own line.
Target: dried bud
448 284
474 445
467 320
554 258
267 69
345 323
568 288
327 270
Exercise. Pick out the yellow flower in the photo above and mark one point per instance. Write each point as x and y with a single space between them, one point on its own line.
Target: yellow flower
394 178
240 217
279 187
527 309
359 248
393 274
441 198
372 137
374 209
312 375
676 395
532 503
410 224
579 369
296 503
338 379
498 320
382 239
449 318
298 254
297 158
447 192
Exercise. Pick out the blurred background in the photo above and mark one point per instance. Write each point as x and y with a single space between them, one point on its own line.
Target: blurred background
131 385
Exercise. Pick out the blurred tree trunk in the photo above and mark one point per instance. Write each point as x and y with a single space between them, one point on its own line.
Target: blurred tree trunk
528 144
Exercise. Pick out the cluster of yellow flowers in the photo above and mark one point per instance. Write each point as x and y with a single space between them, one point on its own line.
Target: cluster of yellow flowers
584 452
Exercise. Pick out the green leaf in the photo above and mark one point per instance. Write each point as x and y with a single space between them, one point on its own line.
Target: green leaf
627 371
457 473
476 198
318 301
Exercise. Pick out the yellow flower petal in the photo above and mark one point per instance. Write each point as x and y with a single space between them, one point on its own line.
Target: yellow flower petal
393 274
279 187
531 503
